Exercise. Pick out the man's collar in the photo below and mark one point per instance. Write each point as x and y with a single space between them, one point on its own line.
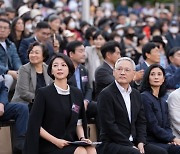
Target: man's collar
122 90
109 64
147 63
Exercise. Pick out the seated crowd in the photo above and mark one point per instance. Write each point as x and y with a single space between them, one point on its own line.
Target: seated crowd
121 70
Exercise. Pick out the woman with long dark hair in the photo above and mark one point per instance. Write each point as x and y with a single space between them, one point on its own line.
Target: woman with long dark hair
156 110
17 31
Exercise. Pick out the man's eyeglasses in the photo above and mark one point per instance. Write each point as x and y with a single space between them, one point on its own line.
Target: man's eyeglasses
5 28
126 70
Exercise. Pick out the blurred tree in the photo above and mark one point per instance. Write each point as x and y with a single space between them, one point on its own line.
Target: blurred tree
130 2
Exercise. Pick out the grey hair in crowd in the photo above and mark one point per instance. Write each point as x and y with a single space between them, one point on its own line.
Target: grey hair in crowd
125 59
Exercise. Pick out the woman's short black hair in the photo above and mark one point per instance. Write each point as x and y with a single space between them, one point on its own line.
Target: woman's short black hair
67 61
44 49
145 85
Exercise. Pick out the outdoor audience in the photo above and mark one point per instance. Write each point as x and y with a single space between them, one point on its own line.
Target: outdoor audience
32 32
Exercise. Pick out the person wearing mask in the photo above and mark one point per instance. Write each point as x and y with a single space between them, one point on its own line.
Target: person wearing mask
58 115
71 26
28 29
153 89
173 36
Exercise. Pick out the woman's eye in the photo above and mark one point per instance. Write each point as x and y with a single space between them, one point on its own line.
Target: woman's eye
55 65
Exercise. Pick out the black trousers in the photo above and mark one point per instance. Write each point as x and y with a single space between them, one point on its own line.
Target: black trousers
171 148
92 113
113 148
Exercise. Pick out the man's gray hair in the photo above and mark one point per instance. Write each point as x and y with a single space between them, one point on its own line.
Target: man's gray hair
125 59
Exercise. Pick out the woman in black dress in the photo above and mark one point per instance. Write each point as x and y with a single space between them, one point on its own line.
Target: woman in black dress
58 115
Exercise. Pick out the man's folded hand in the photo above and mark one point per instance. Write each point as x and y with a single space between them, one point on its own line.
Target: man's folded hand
1 109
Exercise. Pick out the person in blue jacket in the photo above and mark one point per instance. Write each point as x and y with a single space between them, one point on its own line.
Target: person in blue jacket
16 111
156 110
9 59
173 70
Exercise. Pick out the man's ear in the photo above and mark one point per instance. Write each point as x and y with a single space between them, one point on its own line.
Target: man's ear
171 59
108 55
71 54
147 55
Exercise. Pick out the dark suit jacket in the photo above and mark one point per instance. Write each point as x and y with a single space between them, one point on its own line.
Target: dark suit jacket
48 112
141 66
103 77
25 43
115 124
172 77
84 81
158 125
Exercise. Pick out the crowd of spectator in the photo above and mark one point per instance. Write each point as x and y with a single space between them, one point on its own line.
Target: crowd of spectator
33 32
